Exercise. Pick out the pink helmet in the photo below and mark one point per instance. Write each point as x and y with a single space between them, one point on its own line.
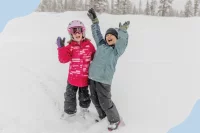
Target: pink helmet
76 23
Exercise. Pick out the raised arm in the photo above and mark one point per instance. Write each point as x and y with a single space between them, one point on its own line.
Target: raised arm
96 32
64 52
122 41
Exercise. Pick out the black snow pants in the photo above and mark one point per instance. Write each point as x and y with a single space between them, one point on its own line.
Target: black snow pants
70 98
101 98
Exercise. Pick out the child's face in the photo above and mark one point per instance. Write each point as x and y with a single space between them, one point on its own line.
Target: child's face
111 39
77 36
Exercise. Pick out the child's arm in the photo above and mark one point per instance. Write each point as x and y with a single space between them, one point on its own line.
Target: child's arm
122 41
64 54
96 32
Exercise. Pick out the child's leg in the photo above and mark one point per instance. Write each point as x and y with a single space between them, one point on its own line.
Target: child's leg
95 100
70 99
104 95
84 97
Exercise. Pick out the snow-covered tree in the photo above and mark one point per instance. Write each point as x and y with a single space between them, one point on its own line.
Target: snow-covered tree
140 11
196 7
182 14
164 7
135 10
92 2
101 6
122 7
112 6
199 12
153 7
65 5
59 6
88 4
147 9
172 12
127 6
44 5
177 14
80 6
50 6
118 7
72 5
188 9
108 10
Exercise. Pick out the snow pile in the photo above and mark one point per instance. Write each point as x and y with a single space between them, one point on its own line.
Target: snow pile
155 86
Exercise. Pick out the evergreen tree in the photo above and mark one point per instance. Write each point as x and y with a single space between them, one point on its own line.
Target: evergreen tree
127 7
153 7
182 14
59 6
73 5
112 6
108 10
199 12
147 9
48 6
196 7
101 5
171 12
188 9
80 6
118 7
87 4
164 7
177 14
140 8
65 5
135 10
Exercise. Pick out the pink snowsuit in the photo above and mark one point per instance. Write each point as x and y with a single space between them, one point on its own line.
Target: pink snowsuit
79 56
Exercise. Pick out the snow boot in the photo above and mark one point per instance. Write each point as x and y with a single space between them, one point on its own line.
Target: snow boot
113 126
65 116
83 112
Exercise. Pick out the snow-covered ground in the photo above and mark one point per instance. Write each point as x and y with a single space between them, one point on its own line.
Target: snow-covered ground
155 86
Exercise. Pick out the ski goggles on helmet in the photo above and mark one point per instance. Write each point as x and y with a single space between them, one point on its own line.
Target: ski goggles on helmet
75 30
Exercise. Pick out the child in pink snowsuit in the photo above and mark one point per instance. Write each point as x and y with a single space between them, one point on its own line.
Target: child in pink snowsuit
79 52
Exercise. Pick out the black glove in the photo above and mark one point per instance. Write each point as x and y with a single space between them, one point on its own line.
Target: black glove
60 42
124 26
92 15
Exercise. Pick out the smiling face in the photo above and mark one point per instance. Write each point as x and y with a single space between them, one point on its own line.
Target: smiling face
77 33
77 36
111 39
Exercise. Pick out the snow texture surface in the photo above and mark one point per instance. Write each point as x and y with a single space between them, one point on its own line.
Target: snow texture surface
155 86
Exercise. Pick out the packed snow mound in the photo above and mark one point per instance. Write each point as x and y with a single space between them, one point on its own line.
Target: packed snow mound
155 85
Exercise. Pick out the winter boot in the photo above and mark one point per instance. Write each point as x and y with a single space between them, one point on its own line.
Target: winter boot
65 116
83 112
113 126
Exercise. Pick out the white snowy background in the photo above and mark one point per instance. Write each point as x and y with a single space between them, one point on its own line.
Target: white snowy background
155 86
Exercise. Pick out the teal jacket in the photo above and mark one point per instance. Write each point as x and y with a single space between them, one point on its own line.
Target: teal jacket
105 59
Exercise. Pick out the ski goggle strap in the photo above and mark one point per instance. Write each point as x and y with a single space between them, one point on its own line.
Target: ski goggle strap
75 30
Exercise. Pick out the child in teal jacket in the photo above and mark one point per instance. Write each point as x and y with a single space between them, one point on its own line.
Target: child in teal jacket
102 68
